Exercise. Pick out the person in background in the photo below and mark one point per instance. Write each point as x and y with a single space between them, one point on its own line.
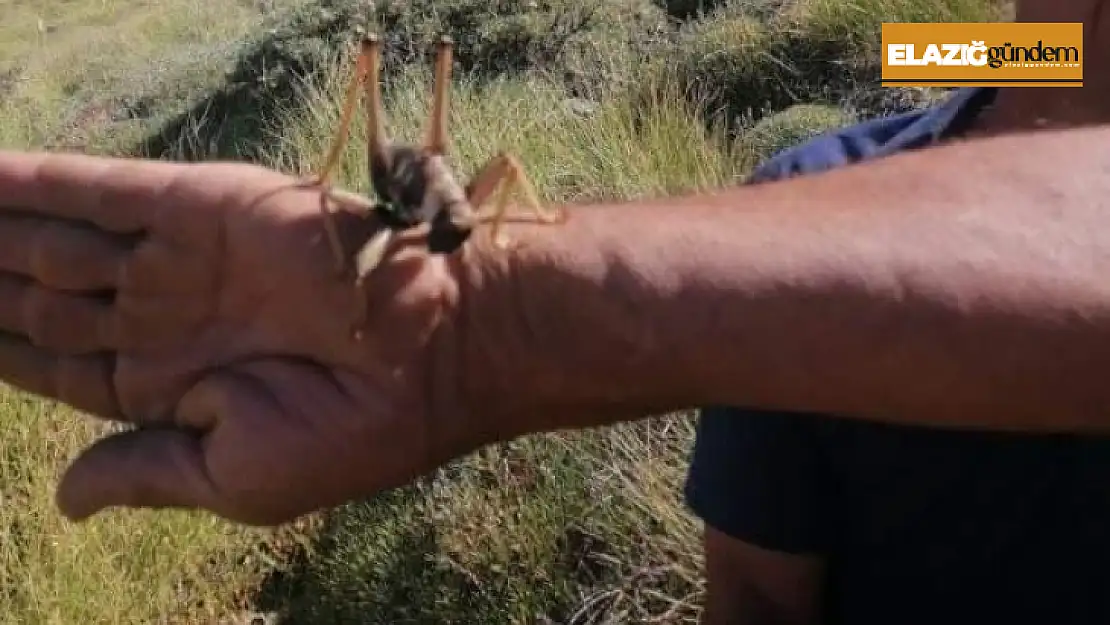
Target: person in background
817 519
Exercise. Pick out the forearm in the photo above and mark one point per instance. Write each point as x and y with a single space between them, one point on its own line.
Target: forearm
962 286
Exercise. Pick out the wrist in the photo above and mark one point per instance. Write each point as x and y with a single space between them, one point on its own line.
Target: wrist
555 332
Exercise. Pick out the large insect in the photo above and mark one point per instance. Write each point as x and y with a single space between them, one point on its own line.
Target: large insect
415 184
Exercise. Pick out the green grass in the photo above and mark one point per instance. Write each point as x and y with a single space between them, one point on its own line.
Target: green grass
574 528
618 99
95 75
122 567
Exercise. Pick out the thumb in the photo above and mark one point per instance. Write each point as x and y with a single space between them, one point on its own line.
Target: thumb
150 468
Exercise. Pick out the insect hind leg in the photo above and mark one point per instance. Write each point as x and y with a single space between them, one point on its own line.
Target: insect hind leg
437 140
343 133
503 174
377 138
363 65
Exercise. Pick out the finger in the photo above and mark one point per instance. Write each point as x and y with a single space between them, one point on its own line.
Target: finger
84 382
116 194
60 322
62 255
154 468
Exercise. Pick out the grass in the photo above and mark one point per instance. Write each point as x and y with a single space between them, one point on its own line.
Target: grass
618 99
95 75
617 148
569 529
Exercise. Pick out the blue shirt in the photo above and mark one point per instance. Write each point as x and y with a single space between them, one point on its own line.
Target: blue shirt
917 526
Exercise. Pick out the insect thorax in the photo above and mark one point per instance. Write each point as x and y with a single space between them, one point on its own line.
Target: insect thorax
415 186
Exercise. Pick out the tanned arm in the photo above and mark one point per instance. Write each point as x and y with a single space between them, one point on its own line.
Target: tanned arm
961 286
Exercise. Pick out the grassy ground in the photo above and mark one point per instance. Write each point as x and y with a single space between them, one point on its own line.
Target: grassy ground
614 99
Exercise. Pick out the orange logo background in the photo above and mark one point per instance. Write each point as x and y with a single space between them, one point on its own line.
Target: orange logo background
983 54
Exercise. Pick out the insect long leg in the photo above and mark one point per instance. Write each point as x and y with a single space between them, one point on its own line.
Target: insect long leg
377 140
339 142
342 134
437 129
504 171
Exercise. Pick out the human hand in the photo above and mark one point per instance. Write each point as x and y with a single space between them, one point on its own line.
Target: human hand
200 303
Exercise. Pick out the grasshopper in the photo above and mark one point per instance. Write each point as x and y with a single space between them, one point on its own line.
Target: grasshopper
415 185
